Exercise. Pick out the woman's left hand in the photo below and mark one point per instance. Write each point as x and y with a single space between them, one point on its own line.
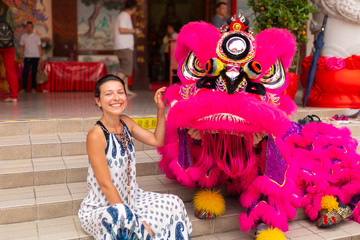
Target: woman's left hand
148 229
159 99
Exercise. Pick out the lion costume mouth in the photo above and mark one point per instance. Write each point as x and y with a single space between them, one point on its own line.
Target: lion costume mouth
232 152
226 124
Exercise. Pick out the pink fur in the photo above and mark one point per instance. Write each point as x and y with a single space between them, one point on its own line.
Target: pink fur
200 38
342 176
356 213
321 159
268 214
221 102
287 105
272 44
172 94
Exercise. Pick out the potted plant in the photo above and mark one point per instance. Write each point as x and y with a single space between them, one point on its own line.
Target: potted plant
292 15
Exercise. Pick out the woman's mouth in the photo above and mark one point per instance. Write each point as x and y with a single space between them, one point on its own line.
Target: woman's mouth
116 105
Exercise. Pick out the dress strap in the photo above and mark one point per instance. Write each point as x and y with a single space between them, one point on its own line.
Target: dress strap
125 129
106 132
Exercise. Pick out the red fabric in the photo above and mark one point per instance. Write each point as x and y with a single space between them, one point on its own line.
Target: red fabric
72 76
334 89
8 56
130 79
291 89
233 7
352 63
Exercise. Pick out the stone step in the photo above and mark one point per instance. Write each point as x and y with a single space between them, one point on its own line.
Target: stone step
48 145
64 169
298 230
59 200
69 227
61 125
225 227
46 126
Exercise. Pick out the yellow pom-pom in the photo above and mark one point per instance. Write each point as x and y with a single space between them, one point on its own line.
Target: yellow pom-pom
329 203
209 201
270 234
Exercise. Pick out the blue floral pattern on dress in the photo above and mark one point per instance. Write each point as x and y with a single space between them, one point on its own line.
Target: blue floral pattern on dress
122 149
179 230
114 213
129 214
114 150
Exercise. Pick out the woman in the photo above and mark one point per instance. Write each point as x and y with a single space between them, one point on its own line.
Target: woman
115 207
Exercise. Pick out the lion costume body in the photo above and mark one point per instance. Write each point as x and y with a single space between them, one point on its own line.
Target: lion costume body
231 88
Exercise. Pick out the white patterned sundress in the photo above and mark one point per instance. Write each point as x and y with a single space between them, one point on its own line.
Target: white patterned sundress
164 213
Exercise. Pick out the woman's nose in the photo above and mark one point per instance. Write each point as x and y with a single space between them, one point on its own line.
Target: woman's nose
116 96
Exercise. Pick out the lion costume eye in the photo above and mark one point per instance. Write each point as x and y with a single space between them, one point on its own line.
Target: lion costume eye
191 68
214 66
274 77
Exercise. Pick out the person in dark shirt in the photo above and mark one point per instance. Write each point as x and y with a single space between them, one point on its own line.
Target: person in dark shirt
220 17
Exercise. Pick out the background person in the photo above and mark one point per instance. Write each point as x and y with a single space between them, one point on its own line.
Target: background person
171 33
30 51
124 42
7 50
221 15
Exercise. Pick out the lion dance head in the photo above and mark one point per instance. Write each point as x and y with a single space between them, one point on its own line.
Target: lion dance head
231 87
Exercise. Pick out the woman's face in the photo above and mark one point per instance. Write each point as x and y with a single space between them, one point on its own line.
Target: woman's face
112 99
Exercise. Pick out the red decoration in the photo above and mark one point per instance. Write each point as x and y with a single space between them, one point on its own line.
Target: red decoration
291 89
334 89
72 76
237 26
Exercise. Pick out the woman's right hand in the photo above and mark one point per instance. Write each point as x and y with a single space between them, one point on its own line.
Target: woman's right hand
158 98
148 229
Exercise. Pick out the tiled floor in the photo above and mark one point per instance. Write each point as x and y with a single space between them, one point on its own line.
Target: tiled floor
68 105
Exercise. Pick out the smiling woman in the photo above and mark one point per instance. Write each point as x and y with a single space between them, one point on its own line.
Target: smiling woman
113 99
115 207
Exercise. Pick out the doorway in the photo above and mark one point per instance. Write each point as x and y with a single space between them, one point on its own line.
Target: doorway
161 13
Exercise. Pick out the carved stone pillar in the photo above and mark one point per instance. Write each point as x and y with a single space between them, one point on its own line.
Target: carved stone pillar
342 35
336 83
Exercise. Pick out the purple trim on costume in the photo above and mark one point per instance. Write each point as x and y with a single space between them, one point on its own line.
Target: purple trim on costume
276 165
297 128
309 148
184 158
262 198
354 201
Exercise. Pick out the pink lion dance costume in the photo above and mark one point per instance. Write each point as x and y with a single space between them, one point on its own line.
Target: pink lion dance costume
231 88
